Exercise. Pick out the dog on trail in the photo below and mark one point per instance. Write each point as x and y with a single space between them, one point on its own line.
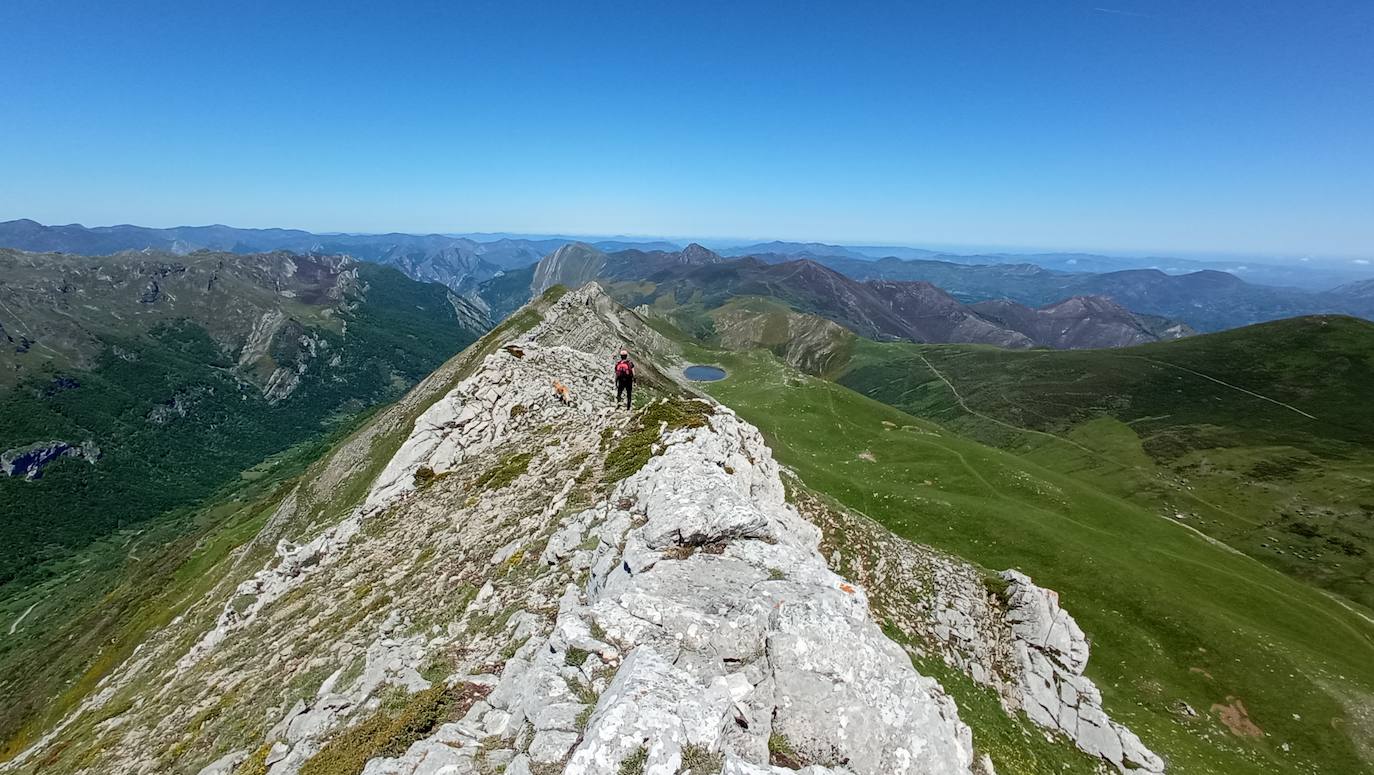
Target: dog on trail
563 393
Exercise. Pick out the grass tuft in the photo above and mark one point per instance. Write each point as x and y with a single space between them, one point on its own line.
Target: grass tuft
634 763
636 447
700 760
503 473
392 729
782 754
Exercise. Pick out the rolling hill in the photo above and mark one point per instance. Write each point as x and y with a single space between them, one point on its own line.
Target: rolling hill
1255 437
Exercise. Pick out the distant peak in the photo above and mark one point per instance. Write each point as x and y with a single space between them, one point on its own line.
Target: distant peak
577 246
698 254
1086 303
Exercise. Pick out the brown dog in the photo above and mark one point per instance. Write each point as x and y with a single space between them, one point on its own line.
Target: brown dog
561 390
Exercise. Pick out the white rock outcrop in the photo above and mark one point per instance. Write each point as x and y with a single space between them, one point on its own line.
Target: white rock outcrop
1051 653
705 617
1012 637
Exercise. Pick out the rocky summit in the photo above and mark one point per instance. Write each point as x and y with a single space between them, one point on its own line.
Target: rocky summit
536 582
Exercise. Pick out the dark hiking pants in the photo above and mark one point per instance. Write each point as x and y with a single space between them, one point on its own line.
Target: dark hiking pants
624 386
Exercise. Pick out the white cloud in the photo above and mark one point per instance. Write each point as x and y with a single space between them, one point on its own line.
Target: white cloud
1362 261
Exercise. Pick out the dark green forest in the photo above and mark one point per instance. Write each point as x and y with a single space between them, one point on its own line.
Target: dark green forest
396 334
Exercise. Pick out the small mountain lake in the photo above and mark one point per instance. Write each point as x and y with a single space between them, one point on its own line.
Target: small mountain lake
704 373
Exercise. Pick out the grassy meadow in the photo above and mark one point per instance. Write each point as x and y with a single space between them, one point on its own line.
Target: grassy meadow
1176 618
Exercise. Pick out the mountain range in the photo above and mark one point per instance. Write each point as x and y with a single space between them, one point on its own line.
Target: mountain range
1206 300
1308 274
696 280
1197 293
458 262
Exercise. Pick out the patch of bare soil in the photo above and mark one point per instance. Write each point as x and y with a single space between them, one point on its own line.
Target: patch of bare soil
1236 719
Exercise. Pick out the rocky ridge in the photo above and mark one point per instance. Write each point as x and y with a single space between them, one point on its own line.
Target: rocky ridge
598 587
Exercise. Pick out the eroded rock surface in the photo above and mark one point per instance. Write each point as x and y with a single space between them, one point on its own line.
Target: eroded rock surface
1050 654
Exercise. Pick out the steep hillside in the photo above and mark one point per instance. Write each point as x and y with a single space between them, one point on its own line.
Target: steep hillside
808 342
1220 663
140 383
1358 292
67 633
571 266
505 293
931 315
1257 437
1081 322
486 579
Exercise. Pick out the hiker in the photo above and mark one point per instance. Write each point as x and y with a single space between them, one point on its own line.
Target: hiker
624 378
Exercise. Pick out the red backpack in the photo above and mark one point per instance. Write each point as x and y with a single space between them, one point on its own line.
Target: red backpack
624 368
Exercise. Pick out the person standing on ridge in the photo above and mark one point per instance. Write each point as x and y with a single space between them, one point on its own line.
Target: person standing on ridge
624 378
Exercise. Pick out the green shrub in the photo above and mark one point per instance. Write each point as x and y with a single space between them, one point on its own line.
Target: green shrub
700 760
390 732
256 763
635 448
503 473
634 763
781 753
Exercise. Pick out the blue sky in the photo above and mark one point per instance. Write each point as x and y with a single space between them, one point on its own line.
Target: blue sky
1128 125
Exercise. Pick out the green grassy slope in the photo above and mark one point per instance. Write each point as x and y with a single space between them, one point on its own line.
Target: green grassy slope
1259 437
1174 618
101 602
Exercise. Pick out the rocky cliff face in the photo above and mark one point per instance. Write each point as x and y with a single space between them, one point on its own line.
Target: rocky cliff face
29 461
570 265
540 585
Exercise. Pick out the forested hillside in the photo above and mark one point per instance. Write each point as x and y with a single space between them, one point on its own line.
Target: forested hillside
137 385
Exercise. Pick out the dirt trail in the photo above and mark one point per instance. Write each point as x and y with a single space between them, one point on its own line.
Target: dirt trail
15 625
964 405
1289 407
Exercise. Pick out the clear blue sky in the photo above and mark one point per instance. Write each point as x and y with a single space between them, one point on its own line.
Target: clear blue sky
1133 125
